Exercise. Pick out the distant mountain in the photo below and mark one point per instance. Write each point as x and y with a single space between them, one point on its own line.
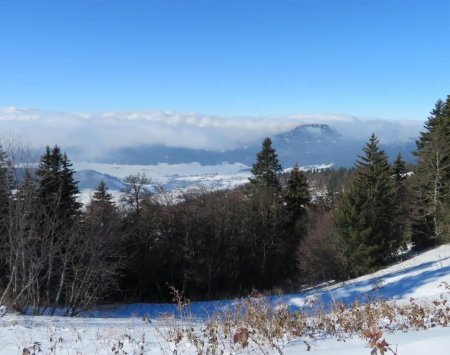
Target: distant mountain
151 137
308 144
183 150
89 180
321 144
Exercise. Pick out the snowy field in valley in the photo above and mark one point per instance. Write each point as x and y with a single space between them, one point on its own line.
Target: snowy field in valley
174 178
121 329
163 172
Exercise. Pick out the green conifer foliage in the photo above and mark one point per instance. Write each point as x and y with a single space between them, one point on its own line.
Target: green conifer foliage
297 196
296 201
58 190
102 206
431 224
365 219
102 198
399 169
267 166
402 197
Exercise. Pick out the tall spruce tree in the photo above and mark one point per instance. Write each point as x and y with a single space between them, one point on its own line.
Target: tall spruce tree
399 173
296 201
265 216
102 207
365 218
102 198
399 169
267 166
431 223
57 189
297 198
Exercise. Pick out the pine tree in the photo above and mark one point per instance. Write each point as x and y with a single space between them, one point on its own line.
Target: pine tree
402 197
296 200
69 187
399 169
102 198
297 196
431 223
265 216
366 215
57 190
267 167
102 204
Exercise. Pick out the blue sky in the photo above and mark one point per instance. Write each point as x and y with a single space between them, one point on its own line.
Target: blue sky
379 58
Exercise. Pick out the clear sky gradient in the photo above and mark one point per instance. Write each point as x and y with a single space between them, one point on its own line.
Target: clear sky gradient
378 58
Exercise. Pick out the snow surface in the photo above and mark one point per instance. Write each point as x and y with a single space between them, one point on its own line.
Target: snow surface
175 178
109 327
172 177
162 172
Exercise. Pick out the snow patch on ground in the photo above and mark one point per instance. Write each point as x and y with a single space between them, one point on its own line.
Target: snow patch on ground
121 327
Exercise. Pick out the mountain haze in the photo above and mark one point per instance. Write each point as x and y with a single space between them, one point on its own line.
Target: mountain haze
308 144
172 137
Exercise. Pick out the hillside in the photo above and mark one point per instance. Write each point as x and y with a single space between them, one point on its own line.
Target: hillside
121 327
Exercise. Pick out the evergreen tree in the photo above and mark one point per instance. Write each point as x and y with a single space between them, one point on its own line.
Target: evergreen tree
102 198
431 223
57 189
297 196
399 169
102 206
365 219
265 218
267 167
69 187
402 197
296 200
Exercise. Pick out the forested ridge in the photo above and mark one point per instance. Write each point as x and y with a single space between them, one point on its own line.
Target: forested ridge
281 230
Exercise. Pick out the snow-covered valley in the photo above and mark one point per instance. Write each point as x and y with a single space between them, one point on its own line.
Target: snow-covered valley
175 178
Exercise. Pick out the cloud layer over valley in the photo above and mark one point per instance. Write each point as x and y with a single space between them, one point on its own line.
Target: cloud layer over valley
93 134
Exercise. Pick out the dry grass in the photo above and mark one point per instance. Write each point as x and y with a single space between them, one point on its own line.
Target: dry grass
251 326
258 327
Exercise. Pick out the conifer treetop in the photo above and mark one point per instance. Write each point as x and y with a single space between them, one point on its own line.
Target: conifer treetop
267 166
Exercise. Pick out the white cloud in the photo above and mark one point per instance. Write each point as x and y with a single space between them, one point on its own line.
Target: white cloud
95 133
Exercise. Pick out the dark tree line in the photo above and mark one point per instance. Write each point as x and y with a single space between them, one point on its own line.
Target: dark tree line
223 243
387 207
53 255
431 225
207 244
280 229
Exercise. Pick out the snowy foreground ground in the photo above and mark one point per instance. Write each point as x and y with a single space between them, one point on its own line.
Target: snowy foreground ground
122 330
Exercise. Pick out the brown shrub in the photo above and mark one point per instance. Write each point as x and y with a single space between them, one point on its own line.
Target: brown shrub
320 257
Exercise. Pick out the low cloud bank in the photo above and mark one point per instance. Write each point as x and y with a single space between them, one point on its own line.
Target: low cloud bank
93 134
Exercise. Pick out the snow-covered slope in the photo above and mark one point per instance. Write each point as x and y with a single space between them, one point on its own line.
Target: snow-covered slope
419 277
121 327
